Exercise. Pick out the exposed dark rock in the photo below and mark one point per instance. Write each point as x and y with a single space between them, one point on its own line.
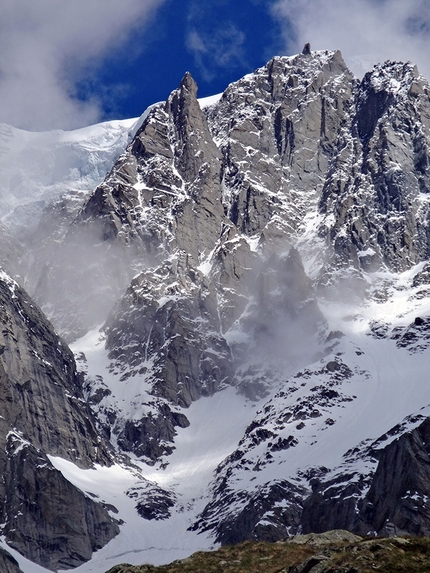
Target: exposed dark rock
391 501
49 520
248 523
333 504
8 564
39 382
153 503
415 337
315 564
423 277
400 491
43 412
151 437
307 49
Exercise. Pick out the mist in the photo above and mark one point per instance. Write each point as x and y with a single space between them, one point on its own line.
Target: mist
282 327
48 47
366 31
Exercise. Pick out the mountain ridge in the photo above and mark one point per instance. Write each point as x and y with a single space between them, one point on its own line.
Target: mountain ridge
259 266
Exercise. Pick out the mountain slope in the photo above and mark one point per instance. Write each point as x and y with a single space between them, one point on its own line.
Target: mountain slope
43 413
259 265
38 168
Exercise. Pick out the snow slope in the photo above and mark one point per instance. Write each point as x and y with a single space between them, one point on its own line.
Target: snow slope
38 167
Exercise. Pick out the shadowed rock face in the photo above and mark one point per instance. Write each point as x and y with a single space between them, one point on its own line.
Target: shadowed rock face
39 384
170 323
42 412
8 563
49 520
396 498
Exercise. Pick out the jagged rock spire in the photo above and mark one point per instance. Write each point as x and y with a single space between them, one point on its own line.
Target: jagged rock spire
306 49
189 83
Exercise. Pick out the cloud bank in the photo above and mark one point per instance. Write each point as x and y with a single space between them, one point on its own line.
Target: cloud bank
48 46
366 31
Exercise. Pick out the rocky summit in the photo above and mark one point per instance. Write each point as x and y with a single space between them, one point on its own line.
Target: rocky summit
225 336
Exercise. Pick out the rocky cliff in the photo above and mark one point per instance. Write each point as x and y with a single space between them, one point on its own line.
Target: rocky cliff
43 414
271 247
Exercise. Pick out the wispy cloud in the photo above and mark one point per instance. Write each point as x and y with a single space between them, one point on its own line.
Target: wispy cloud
214 38
366 31
46 48
221 48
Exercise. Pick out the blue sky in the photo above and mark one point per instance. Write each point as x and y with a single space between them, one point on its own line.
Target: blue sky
218 41
70 63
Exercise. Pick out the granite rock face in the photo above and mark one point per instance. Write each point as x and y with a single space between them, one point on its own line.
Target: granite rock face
378 178
39 382
50 521
390 501
43 413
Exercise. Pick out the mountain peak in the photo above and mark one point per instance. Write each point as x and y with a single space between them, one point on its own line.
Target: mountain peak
306 49
188 83
260 266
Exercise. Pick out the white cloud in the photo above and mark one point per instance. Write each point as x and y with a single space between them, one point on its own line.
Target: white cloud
46 47
222 48
214 40
366 31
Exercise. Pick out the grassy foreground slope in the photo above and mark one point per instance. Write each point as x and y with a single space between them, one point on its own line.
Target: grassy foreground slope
331 552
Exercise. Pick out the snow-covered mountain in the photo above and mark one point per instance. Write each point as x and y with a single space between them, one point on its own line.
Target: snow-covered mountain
38 168
246 296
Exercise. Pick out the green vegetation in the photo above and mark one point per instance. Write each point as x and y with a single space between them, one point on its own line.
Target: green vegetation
305 554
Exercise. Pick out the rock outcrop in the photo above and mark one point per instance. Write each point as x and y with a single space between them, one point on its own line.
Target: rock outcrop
8 563
42 412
